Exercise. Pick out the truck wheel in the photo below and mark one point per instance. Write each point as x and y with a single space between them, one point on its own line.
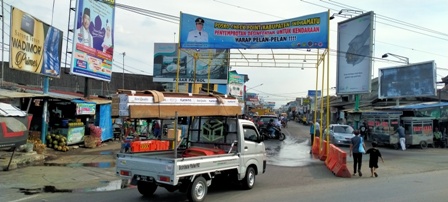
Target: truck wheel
146 188
423 145
249 180
281 136
197 190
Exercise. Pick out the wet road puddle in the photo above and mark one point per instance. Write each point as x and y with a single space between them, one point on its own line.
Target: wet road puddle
77 165
106 153
289 153
108 186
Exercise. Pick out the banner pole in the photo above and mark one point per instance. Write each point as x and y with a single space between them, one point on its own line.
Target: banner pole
209 69
328 86
3 46
178 58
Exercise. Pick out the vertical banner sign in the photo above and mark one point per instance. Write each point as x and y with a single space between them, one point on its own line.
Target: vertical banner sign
236 85
354 60
93 39
309 31
211 65
35 46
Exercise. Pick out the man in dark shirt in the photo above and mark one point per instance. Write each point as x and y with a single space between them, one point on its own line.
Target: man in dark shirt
402 136
373 161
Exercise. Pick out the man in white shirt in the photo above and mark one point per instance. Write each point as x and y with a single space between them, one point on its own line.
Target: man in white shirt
317 128
278 123
82 35
198 35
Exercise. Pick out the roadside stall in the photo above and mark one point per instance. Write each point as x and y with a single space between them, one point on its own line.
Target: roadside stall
69 119
381 124
419 131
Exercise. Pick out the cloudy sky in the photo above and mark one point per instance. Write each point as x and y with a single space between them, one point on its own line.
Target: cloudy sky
411 28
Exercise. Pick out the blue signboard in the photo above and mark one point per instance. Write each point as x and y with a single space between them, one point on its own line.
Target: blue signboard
310 31
312 93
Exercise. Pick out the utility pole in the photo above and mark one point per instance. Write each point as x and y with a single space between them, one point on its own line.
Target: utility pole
3 47
124 54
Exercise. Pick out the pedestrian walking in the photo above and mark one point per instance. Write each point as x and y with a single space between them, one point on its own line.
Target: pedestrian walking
317 128
312 134
401 134
373 161
357 148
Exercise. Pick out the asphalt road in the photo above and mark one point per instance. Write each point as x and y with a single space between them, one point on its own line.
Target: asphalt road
294 175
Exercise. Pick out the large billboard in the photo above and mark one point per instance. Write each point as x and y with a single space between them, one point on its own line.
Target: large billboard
93 39
210 65
415 80
34 45
310 31
354 57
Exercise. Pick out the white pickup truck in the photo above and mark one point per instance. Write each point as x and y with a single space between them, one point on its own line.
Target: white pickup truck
213 148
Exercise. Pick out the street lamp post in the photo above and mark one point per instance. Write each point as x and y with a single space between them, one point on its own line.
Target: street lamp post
402 58
124 54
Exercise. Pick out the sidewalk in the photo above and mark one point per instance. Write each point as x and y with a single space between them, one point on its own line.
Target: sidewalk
80 169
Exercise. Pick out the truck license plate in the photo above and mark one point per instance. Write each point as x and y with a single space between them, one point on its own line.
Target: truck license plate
145 178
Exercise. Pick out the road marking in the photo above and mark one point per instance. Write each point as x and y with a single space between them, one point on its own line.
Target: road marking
26 198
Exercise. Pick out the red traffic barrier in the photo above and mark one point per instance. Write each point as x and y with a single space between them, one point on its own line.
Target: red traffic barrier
316 144
323 151
332 158
340 169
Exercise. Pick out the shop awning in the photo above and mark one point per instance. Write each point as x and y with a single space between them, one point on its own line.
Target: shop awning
9 94
100 101
425 105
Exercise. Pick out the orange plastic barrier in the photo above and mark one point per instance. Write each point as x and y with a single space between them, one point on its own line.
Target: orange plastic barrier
340 169
332 158
323 151
316 144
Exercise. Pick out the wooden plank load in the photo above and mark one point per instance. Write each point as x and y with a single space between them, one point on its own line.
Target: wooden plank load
154 104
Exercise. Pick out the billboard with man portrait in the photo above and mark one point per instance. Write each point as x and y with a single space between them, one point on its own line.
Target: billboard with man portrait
34 45
93 39
310 31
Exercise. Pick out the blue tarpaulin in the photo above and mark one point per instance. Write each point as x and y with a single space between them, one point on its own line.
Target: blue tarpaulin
104 121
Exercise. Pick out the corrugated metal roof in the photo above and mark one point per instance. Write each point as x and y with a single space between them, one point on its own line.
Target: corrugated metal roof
9 110
57 95
69 97
100 101
418 106
8 94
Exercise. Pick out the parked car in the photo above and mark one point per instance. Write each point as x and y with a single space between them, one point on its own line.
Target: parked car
340 134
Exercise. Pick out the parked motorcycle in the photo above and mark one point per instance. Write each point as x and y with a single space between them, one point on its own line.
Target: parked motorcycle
277 132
